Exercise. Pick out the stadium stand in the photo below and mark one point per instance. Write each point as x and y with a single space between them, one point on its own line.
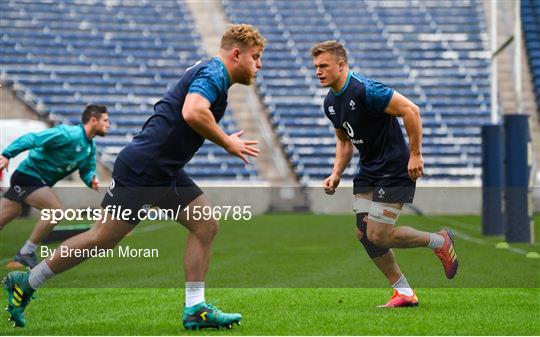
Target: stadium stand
432 51
530 17
63 55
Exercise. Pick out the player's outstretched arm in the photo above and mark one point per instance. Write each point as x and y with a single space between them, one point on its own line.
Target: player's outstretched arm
401 106
344 153
87 171
197 114
31 140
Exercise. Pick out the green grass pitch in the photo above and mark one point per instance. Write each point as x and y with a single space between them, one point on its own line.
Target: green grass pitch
287 274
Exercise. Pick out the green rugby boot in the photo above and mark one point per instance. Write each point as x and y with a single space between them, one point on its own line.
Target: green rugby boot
19 295
203 315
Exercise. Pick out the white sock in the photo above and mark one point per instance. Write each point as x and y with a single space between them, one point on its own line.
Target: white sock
28 248
39 274
435 240
403 287
194 293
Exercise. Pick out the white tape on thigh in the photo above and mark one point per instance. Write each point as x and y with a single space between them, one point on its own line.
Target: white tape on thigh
383 213
361 205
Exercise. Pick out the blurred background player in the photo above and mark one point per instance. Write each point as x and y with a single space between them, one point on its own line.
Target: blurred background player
149 171
54 154
364 113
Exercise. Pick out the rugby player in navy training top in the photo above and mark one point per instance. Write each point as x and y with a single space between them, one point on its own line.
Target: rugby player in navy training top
364 114
149 171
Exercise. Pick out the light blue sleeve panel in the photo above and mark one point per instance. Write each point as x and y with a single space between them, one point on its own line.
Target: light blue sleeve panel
377 96
207 84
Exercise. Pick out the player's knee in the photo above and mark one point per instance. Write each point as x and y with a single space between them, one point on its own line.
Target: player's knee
103 238
213 228
206 230
3 221
96 237
372 249
378 238
6 218
92 236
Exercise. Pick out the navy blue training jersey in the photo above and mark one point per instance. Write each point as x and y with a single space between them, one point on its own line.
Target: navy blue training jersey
358 109
166 142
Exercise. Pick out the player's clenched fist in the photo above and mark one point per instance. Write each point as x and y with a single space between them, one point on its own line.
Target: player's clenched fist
4 163
415 166
95 184
330 184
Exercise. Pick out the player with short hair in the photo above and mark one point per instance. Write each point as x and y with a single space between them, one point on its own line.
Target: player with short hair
54 154
149 171
364 114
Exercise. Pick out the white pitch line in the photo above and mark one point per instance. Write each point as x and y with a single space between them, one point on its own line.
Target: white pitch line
461 224
469 238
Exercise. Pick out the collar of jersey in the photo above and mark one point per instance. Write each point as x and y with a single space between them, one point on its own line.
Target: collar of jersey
225 73
345 86
84 133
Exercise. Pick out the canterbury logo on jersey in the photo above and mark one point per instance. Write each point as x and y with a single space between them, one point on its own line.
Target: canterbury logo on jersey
331 110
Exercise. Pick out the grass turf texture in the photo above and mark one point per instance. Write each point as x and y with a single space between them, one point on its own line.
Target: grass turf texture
294 275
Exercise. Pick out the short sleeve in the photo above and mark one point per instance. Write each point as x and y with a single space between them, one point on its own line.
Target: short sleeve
377 96
205 85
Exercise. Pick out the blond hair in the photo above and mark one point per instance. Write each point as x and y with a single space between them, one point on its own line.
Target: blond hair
242 36
331 46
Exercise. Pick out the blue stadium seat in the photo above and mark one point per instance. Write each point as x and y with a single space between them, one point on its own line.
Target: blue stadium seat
431 51
530 16
123 54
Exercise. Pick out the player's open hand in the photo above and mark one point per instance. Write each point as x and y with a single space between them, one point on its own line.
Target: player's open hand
4 163
95 184
330 184
242 148
416 166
